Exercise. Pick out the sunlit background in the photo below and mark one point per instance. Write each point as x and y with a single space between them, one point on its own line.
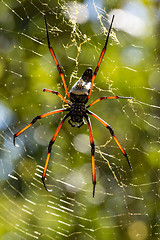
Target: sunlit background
126 204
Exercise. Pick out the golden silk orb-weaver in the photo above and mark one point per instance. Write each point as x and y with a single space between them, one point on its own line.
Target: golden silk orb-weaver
77 109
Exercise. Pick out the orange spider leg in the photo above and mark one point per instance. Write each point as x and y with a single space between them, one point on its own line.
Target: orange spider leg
57 93
111 97
112 133
55 59
50 148
92 153
100 59
34 120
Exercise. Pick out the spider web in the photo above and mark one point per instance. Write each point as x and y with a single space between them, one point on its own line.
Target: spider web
126 204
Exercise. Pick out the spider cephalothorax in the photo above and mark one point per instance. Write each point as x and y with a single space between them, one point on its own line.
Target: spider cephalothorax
77 110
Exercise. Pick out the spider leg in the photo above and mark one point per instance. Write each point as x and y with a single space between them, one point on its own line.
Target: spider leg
57 93
34 120
112 133
50 148
75 125
111 97
55 59
92 153
100 58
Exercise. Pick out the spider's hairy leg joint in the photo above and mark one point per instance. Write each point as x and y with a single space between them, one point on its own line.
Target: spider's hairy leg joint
92 148
110 129
96 70
35 119
50 146
59 69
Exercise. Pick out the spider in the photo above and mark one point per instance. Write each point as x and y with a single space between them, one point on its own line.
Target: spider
77 109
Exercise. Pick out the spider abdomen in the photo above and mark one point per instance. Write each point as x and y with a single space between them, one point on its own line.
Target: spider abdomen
77 112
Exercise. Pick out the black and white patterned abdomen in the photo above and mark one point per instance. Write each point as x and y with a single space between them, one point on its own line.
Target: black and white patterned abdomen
77 112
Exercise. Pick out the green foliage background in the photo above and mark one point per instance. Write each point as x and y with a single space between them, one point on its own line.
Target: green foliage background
127 209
